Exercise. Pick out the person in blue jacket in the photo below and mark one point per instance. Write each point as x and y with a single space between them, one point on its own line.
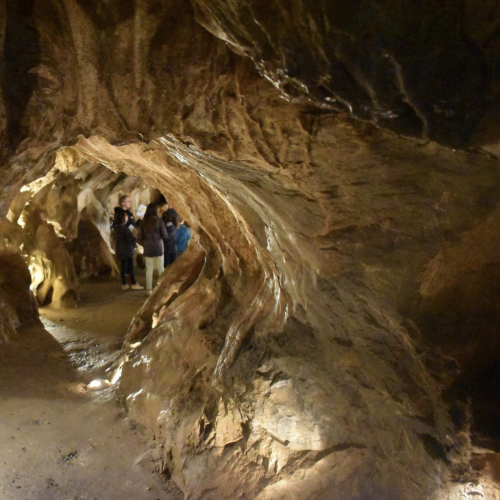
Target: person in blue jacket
182 236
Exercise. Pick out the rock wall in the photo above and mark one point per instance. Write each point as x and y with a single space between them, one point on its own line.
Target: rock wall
319 361
17 304
18 307
289 352
423 70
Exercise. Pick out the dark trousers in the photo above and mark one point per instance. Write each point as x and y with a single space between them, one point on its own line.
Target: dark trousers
128 268
169 257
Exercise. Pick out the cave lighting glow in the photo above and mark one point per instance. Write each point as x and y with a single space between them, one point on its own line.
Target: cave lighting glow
117 375
22 220
98 384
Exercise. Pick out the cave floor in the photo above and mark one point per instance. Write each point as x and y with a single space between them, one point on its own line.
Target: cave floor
59 440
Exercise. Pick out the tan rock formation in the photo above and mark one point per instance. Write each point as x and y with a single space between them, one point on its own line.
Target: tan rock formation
287 352
228 388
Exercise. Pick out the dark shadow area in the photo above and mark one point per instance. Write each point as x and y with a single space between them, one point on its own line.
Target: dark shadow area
33 365
466 328
88 250
22 53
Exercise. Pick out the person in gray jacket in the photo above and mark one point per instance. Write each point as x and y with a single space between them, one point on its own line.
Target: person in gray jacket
151 235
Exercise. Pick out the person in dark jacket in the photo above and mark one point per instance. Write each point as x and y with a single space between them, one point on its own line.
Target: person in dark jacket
169 219
125 248
165 206
125 205
152 233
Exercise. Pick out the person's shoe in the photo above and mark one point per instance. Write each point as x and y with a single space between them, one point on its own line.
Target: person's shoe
125 287
136 286
150 292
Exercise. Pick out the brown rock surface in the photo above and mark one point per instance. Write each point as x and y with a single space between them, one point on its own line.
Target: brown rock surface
289 350
17 304
236 395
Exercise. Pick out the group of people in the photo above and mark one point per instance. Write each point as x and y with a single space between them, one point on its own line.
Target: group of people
162 235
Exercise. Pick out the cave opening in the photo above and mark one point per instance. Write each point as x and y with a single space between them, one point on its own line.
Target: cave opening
63 225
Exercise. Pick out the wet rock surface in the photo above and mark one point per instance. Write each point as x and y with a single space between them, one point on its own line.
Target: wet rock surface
420 70
345 369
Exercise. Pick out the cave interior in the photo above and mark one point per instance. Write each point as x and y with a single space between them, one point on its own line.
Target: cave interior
333 329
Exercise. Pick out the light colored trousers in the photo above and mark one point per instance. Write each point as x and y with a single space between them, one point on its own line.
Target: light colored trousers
151 263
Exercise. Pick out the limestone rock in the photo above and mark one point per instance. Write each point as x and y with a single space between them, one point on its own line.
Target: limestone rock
59 278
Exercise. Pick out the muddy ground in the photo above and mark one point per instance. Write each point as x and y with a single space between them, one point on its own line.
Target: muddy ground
59 440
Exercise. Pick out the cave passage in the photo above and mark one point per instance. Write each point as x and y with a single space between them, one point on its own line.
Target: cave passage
64 418
62 224
185 342
61 437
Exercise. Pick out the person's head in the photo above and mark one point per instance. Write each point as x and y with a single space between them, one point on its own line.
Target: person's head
125 202
162 208
178 220
169 216
150 217
151 210
121 218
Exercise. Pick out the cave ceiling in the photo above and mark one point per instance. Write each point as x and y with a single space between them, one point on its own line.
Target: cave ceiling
337 163
427 70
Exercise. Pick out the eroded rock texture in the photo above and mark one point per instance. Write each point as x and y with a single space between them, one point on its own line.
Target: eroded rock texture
422 70
291 352
294 351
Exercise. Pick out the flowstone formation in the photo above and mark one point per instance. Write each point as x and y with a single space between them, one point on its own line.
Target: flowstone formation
285 355
298 349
